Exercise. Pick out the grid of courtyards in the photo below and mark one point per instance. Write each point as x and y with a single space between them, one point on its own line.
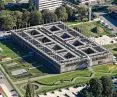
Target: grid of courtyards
18 58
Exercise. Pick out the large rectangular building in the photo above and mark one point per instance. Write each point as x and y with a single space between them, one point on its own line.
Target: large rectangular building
62 47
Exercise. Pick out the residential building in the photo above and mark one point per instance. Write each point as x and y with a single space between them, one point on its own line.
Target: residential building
48 4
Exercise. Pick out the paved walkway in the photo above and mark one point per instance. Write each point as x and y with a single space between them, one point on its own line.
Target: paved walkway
70 92
105 40
6 76
6 90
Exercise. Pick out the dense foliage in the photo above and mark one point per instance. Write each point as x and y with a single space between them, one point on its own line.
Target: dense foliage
17 19
99 88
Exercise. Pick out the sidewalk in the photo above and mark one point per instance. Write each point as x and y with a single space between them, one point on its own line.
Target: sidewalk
5 89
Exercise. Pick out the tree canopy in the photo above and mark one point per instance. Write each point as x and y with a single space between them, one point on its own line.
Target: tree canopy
61 13
102 87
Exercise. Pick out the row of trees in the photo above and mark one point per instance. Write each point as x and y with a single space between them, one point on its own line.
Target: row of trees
99 88
18 19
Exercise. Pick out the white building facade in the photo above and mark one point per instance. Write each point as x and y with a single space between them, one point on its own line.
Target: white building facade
48 4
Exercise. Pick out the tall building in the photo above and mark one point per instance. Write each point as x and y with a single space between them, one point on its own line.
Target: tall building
48 4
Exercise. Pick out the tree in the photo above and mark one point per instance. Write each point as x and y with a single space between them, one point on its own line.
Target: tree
35 18
96 87
70 12
107 86
1 4
25 18
7 21
86 93
44 14
82 12
29 89
49 16
61 13
18 18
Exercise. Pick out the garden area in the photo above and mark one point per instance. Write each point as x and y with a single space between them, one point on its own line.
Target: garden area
74 78
90 29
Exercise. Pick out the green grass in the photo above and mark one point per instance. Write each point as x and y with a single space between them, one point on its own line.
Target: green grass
73 78
112 48
87 28
65 77
103 69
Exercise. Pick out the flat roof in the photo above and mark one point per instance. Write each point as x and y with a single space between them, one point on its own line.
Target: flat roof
59 42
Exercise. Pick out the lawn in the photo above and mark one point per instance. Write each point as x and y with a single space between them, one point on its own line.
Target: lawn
112 48
88 28
73 78
57 81
105 70
70 76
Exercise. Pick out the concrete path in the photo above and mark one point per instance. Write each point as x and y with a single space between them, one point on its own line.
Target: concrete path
5 89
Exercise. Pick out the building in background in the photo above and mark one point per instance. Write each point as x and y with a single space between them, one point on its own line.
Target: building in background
48 4
91 1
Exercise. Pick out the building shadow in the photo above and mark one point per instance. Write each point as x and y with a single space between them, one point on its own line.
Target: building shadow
28 56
